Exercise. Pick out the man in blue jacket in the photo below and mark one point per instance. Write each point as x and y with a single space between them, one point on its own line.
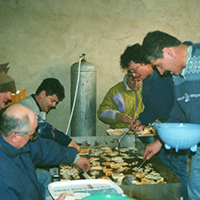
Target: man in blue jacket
21 150
167 53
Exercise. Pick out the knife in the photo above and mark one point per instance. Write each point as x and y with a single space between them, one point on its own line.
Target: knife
85 174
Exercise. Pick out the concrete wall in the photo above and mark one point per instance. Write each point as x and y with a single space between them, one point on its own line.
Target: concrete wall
43 38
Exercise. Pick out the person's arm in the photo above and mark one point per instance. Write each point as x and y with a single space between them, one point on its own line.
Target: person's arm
136 125
74 144
147 116
48 152
113 109
153 148
45 152
124 118
46 130
107 111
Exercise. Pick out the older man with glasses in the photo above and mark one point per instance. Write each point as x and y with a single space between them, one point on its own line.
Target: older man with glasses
19 155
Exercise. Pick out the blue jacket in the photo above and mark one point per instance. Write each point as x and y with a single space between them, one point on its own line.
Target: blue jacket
187 89
48 131
17 167
158 98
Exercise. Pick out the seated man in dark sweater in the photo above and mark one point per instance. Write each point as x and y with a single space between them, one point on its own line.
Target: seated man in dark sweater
47 96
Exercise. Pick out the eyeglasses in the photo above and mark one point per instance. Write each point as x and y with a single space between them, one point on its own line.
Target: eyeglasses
132 71
33 136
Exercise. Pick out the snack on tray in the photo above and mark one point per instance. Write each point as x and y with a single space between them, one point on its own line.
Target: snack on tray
84 151
148 130
107 166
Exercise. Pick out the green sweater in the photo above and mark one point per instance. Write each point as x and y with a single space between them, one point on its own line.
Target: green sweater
120 99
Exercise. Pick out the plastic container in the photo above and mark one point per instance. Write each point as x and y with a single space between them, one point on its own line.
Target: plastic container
78 189
179 135
107 197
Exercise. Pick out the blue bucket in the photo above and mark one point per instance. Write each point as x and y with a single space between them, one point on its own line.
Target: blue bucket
179 135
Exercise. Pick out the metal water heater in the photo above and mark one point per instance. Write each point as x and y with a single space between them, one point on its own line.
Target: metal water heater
84 115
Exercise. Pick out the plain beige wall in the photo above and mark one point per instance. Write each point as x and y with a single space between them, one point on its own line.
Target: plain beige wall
43 38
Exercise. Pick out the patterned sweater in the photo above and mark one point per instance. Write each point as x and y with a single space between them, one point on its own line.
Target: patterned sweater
187 89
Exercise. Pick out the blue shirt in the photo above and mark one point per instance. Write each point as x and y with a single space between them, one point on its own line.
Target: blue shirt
158 98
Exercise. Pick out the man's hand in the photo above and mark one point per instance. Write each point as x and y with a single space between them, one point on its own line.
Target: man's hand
74 144
153 148
62 196
136 125
83 163
124 118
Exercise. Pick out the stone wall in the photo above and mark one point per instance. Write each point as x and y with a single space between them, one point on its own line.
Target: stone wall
43 38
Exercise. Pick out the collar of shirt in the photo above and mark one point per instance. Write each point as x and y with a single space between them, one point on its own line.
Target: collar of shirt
33 96
126 84
189 55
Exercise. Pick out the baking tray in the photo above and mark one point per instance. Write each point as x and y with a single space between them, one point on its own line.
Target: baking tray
170 190
77 189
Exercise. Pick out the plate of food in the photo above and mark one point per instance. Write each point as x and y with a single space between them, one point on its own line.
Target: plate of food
117 132
147 135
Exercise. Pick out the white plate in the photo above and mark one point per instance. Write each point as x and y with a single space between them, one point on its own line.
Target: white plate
77 189
117 131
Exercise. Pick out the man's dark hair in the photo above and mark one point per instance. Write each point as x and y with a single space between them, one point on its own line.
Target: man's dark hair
52 86
131 53
154 42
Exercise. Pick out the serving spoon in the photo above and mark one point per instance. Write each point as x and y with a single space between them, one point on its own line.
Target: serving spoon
121 139
129 179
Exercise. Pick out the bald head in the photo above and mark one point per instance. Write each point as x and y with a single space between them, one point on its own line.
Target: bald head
19 111
17 118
